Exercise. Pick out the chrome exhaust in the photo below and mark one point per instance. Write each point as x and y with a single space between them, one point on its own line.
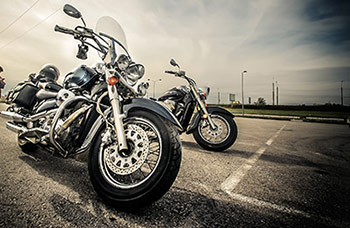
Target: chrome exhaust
15 128
23 130
12 116
20 118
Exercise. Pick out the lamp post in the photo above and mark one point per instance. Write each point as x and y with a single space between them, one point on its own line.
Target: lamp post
243 92
154 86
341 93
276 93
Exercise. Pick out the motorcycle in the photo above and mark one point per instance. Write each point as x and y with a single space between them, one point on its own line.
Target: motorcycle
133 143
213 128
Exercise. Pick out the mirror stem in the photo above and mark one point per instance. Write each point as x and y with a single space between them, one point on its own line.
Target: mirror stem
83 21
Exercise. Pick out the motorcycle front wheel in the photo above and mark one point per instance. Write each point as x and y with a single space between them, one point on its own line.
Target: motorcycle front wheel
220 138
144 173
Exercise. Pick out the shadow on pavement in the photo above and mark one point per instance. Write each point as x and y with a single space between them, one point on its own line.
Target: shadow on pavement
195 147
178 208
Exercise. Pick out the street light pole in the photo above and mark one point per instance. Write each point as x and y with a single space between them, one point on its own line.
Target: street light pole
218 96
341 93
276 93
243 92
154 86
273 91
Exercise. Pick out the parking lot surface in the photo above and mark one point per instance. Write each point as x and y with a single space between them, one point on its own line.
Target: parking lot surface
277 174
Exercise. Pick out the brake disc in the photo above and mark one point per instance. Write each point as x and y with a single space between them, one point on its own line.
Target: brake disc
122 163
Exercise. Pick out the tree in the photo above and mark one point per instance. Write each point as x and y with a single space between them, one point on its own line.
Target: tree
261 101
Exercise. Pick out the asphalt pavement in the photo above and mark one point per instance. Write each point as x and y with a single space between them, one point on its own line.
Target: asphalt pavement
277 174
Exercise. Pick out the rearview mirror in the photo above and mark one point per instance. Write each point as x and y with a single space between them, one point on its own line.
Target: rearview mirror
173 63
71 11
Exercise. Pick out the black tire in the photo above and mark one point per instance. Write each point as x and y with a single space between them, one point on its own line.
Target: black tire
155 185
25 146
229 140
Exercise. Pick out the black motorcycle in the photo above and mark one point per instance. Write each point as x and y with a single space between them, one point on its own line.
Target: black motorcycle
212 127
133 143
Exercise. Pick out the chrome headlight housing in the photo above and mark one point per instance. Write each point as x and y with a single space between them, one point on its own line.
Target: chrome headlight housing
135 72
123 62
142 88
204 91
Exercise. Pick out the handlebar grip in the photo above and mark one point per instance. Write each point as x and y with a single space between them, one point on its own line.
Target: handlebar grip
169 72
64 30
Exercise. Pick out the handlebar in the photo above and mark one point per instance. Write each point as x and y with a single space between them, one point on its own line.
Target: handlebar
64 30
180 73
170 72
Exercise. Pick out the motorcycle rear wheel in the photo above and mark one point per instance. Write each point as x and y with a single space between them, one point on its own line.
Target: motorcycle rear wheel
144 174
218 139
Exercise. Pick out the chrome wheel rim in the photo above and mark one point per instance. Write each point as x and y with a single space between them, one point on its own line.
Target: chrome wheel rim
129 170
217 135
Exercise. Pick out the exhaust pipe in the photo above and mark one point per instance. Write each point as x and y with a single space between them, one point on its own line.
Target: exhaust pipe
13 116
20 118
32 132
15 128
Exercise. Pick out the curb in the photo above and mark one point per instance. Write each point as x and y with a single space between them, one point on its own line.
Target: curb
298 118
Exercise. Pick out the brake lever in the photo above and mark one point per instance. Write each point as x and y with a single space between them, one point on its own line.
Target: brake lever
181 73
84 32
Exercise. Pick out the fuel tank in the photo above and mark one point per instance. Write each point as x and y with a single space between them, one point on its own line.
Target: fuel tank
81 77
174 94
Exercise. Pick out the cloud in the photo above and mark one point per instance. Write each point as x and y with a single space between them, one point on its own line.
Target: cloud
214 41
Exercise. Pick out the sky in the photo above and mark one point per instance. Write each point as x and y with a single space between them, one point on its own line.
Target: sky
304 45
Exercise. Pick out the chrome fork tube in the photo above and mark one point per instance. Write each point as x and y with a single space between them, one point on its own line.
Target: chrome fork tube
202 106
118 117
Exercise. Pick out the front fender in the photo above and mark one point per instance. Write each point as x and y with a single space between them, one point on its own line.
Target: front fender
152 106
197 117
219 110
136 103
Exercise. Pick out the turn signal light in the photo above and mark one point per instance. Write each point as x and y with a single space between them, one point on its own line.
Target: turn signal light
205 116
113 80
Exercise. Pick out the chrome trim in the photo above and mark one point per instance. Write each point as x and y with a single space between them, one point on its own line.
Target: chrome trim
126 84
20 118
55 119
72 117
12 116
15 128
201 105
43 94
41 115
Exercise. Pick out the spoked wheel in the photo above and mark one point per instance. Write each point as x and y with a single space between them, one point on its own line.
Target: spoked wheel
219 138
146 171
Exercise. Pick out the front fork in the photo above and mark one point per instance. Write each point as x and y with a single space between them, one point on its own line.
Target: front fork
203 108
118 116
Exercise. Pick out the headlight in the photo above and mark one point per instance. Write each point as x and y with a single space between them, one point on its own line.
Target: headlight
142 88
135 72
204 91
123 62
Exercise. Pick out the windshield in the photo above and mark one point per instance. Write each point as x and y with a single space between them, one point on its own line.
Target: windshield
112 28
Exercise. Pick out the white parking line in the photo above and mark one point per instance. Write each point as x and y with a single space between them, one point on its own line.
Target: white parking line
231 182
261 203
